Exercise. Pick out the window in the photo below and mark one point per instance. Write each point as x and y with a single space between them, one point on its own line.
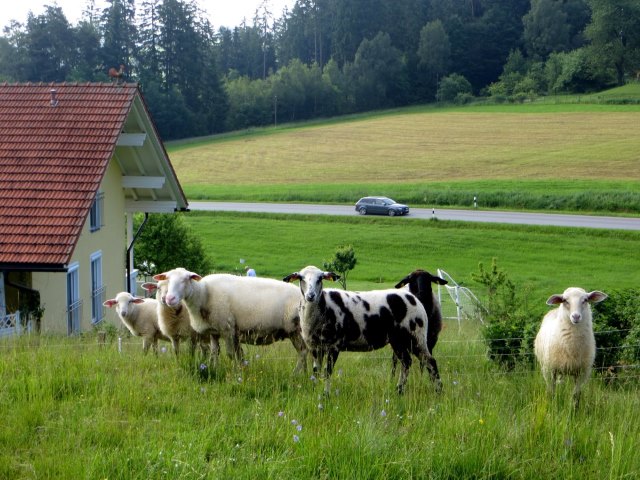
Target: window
97 212
97 289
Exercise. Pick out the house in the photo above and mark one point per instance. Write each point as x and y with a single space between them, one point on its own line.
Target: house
77 161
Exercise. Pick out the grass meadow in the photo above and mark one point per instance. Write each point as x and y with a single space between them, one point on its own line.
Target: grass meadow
74 408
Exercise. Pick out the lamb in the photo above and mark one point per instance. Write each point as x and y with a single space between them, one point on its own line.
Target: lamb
337 320
174 323
565 344
419 283
251 310
140 316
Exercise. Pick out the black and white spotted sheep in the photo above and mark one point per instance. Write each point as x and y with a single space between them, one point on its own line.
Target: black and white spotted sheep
335 320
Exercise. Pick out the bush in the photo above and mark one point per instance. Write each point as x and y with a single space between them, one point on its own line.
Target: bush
452 86
617 329
509 325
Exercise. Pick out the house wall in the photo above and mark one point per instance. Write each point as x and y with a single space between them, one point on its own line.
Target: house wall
110 242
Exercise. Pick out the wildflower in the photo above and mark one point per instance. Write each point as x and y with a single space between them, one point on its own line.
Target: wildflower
281 413
299 428
203 367
239 379
296 438
163 349
203 390
455 382
294 422
245 363
320 406
313 378
481 421
383 413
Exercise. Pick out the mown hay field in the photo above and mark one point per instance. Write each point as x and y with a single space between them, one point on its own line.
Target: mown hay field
499 143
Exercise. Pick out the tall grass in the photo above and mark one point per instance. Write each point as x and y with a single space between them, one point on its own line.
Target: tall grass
73 409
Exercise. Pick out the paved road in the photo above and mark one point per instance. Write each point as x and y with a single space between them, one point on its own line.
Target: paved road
588 221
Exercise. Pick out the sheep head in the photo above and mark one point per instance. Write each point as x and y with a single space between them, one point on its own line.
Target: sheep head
179 285
311 281
575 302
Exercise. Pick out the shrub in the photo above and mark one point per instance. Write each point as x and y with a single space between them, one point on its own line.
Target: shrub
344 260
509 325
617 329
452 86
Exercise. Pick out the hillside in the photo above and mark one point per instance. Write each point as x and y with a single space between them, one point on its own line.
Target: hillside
514 150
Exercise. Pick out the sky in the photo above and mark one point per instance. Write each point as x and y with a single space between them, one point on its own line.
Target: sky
228 13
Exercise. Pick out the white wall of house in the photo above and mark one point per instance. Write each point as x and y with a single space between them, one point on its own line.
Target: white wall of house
109 243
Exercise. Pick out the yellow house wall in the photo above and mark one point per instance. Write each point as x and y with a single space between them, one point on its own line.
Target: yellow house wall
110 241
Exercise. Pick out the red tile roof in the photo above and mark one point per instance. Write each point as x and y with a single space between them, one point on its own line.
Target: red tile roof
53 156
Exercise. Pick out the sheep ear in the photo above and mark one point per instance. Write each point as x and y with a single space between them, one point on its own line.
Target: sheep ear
110 303
438 280
160 276
554 300
150 287
403 282
330 276
196 277
596 296
292 277
137 300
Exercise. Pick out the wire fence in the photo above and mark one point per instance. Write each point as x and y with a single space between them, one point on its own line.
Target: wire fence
125 344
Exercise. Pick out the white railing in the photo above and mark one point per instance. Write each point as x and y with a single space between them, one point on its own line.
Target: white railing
12 325
464 301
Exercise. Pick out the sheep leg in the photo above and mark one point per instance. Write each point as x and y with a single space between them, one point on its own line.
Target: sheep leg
577 390
214 350
301 348
332 357
175 343
394 364
405 362
145 345
426 359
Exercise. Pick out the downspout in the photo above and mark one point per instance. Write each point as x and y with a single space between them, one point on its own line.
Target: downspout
128 255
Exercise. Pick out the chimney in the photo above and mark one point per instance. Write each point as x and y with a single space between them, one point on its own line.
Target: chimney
54 99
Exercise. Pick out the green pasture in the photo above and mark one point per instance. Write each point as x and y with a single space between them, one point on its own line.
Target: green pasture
545 260
75 409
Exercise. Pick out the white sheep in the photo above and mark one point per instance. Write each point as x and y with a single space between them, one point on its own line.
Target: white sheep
565 344
338 320
251 310
174 323
140 316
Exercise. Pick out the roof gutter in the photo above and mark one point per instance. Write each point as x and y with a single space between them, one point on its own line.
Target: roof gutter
128 255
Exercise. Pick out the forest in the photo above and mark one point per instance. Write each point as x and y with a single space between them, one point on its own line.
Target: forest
325 58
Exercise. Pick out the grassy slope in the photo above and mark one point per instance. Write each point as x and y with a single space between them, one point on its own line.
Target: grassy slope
512 149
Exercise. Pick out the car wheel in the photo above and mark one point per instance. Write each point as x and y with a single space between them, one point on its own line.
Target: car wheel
362 211
392 213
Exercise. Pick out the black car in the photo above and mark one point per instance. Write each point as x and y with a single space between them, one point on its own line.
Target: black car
380 206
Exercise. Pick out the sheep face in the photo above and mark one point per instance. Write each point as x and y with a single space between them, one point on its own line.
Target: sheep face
123 302
420 281
311 281
179 285
574 303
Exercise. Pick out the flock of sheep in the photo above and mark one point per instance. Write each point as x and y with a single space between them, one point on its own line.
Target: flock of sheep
326 321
